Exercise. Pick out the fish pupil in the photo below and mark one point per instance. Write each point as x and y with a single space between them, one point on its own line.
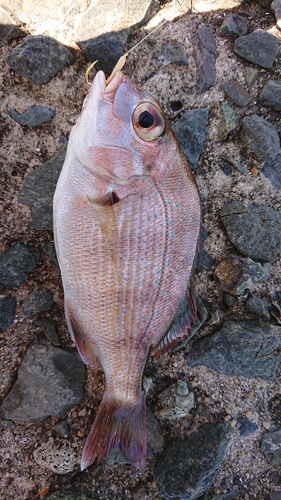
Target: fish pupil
145 120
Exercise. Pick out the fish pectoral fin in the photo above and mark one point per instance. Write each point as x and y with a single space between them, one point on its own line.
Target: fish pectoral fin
85 347
181 324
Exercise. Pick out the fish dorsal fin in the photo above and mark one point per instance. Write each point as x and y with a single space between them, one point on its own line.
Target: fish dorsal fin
85 347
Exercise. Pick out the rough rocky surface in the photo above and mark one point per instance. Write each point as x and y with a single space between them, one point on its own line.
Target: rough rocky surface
236 92
238 275
16 265
205 54
187 468
229 120
33 116
50 381
7 312
240 348
261 137
38 301
234 26
176 401
271 446
172 53
271 95
226 171
258 47
254 230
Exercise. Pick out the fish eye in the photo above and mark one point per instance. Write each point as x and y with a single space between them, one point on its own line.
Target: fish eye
148 121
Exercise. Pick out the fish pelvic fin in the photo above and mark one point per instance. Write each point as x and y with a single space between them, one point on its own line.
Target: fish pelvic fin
125 425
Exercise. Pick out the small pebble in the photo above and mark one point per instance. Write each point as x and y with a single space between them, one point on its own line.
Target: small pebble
74 414
82 413
80 434
44 492
266 425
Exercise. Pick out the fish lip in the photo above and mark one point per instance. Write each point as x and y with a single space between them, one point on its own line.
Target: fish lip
109 91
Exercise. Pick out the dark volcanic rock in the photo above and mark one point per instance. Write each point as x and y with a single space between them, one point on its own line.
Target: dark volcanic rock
254 230
189 466
51 252
7 312
246 427
190 131
261 137
50 381
258 47
248 348
236 92
155 441
16 265
234 26
172 53
70 495
9 24
38 191
107 49
271 95
205 55
258 307
49 327
205 260
271 446
228 120
273 172
37 302
237 274
39 58
33 116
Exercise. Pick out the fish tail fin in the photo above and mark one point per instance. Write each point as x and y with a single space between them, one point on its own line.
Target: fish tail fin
125 425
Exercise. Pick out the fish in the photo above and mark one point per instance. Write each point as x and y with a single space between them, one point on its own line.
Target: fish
127 223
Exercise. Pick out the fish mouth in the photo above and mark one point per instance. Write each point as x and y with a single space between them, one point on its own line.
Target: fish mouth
109 90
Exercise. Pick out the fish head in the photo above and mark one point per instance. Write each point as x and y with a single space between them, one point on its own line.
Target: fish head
122 133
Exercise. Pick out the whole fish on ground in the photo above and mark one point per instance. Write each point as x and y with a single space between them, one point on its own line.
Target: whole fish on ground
127 221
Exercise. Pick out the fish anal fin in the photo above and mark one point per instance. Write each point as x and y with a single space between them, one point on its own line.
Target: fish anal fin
122 424
85 347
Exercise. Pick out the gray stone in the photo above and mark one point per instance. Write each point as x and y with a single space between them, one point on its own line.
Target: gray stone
273 172
189 466
276 8
70 495
190 131
234 163
261 137
259 47
205 55
38 191
236 92
176 401
248 348
228 299
205 260
39 58
275 495
271 447
246 427
228 120
50 381
271 95
33 116
251 75
51 252
172 53
106 49
254 230
234 26
37 302
258 307
7 312
9 24
16 265
155 441
61 429
49 327
237 275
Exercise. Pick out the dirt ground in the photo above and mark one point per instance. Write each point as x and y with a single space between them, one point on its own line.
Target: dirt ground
23 149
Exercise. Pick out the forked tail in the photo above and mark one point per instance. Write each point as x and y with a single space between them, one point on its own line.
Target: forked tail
125 425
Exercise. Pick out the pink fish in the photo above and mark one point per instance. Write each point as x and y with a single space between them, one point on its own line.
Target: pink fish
127 221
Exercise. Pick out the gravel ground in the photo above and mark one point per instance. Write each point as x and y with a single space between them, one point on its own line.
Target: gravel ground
244 469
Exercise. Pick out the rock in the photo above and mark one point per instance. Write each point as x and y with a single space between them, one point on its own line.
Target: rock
7 312
37 302
190 131
16 265
236 92
155 441
271 95
228 120
276 8
9 24
70 495
188 467
33 116
251 75
274 405
234 163
228 299
271 447
51 252
254 230
205 260
205 55
237 274
176 401
49 327
261 137
247 348
107 49
59 456
273 172
50 381
246 428
258 307
172 53
38 191
234 26
39 58
259 47
275 495
61 429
